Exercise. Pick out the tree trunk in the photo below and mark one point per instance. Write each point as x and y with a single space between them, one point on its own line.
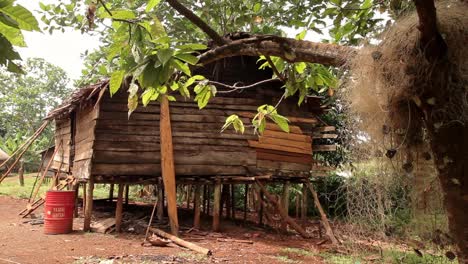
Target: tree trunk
21 173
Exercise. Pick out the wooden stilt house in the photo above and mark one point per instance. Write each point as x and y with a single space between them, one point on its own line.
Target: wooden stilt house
98 143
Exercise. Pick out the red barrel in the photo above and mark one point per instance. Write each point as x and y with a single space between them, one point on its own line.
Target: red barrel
58 214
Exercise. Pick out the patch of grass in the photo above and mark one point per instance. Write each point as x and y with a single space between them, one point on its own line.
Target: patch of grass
285 259
192 256
393 256
298 251
11 187
339 258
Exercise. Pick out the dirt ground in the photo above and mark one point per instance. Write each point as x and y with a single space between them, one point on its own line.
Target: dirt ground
25 243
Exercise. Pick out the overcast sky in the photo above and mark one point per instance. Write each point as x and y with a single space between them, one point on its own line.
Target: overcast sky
61 49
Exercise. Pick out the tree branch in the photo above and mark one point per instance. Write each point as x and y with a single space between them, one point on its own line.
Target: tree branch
233 88
431 42
289 49
197 21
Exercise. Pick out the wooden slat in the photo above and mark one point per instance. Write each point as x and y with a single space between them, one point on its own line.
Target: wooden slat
278 165
264 154
126 146
324 129
126 169
287 143
288 136
256 144
107 136
210 141
318 135
292 129
292 119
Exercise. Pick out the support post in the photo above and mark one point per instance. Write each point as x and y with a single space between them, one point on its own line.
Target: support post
76 188
111 192
127 192
189 195
208 201
304 202
204 199
167 164
246 190
119 208
216 205
325 222
260 210
160 206
196 207
233 202
89 205
285 203
21 173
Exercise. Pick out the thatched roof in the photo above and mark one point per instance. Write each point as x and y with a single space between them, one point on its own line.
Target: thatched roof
3 155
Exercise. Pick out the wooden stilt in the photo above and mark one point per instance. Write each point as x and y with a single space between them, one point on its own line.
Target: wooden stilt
76 188
167 164
84 196
304 203
89 205
325 222
204 199
196 207
260 210
160 207
216 206
127 192
119 208
298 199
21 173
233 201
227 188
281 211
246 195
189 195
111 192
208 200
285 203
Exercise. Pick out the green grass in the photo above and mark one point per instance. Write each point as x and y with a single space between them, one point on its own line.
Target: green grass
284 259
298 251
11 187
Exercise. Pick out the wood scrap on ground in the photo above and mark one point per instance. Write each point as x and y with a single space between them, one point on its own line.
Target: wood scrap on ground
181 242
103 226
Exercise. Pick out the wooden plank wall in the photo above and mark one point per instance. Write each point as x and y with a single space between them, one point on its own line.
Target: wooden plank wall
62 141
86 117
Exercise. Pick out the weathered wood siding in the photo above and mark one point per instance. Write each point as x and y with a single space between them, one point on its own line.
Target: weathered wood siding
84 139
63 143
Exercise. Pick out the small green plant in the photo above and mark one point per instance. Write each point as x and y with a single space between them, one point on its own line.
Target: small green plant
298 251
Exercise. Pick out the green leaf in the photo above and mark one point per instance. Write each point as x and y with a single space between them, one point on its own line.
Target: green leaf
192 46
165 55
301 35
281 121
22 16
182 67
116 81
119 14
190 59
13 35
203 95
132 104
257 7
300 67
151 4
192 79
150 94
236 122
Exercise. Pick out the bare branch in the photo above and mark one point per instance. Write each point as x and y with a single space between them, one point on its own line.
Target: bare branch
290 49
234 87
275 70
197 22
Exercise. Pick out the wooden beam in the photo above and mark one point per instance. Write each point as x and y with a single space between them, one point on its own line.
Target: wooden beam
216 205
325 221
167 164
181 242
246 193
283 214
196 206
89 205
119 208
127 191
233 201
304 202
111 192
317 148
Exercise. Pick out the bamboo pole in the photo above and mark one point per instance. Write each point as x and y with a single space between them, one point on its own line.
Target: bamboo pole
196 206
167 164
26 147
285 202
325 221
281 211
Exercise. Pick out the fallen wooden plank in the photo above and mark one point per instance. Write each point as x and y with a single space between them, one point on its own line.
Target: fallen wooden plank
235 241
181 242
103 225
324 129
